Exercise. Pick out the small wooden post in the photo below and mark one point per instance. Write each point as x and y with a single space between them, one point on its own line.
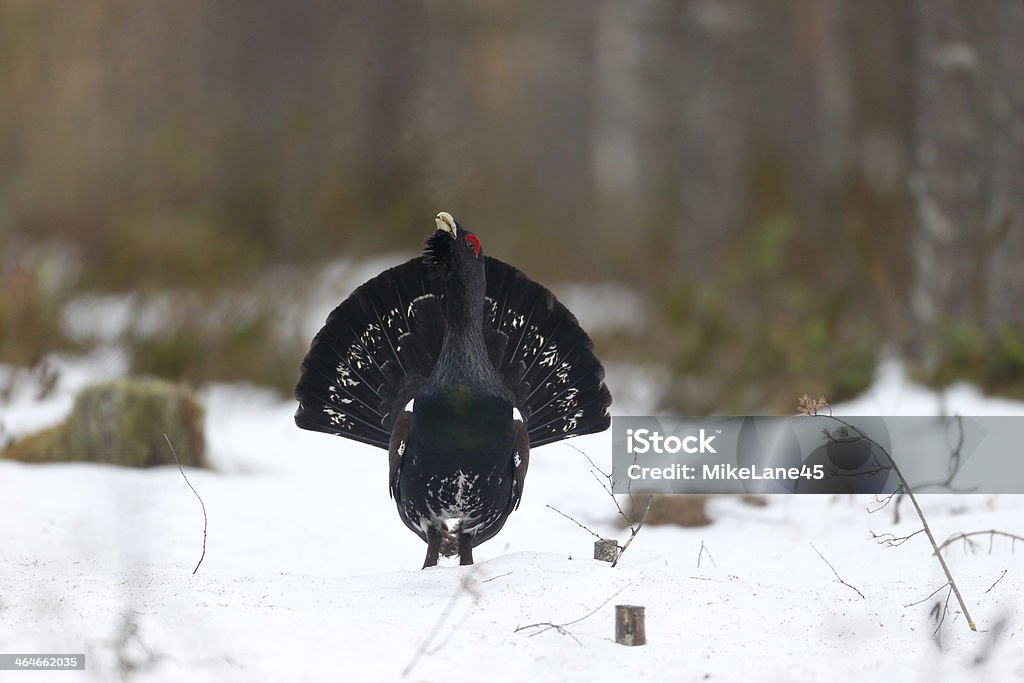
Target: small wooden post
629 625
606 550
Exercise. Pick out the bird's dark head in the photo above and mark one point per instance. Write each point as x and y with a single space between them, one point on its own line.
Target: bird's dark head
452 249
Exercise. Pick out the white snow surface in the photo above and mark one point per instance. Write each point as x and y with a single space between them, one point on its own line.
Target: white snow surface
310 576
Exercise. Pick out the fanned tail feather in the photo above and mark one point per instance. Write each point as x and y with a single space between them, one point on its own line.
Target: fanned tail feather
546 358
375 350
380 345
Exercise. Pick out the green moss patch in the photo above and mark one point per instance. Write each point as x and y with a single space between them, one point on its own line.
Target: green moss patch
123 422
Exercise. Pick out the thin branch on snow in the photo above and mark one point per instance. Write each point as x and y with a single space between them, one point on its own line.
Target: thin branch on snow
703 550
971 545
561 629
955 462
198 497
606 484
884 502
939 613
925 598
576 522
635 530
547 625
997 581
499 576
917 508
890 540
839 578
607 475
939 610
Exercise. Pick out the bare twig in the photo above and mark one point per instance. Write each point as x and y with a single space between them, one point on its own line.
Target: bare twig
955 461
926 598
896 505
547 626
499 576
606 484
940 612
704 549
883 502
839 578
920 514
198 497
891 540
561 628
576 522
607 475
997 580
635 530
956 455
992 534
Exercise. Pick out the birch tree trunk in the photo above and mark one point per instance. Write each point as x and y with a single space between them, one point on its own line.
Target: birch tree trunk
714 142
968 139
636 100
947 156
1005 211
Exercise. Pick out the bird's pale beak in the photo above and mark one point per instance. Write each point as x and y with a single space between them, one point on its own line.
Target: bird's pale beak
445 222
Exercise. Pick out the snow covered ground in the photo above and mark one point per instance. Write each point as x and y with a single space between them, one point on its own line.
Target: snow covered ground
309 575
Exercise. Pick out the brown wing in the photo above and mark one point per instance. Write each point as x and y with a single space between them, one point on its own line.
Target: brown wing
396 450
521 461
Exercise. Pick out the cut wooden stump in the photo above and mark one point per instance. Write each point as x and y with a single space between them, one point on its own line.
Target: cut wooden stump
629 625
606 550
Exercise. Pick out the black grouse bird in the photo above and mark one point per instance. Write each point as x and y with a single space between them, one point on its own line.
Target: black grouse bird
458 364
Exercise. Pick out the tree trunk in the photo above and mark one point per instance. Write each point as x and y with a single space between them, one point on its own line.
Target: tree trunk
1005 212
969 170
714 143
635 104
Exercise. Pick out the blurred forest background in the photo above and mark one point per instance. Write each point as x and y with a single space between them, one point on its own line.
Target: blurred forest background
794 188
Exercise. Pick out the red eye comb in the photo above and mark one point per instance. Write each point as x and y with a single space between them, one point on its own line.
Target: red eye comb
472 241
